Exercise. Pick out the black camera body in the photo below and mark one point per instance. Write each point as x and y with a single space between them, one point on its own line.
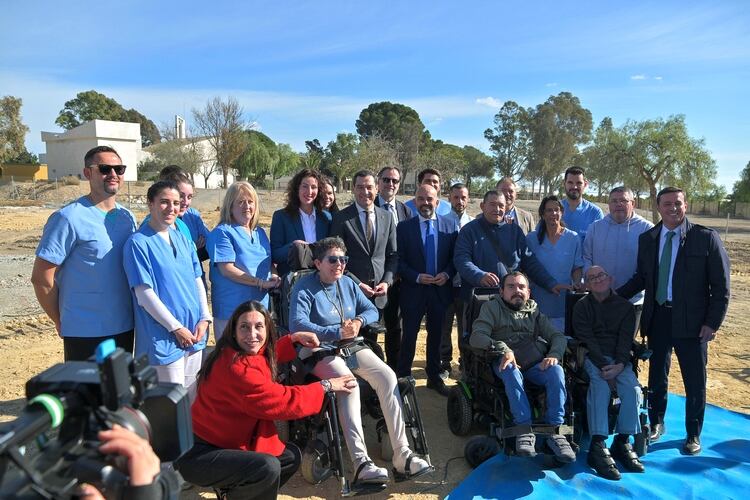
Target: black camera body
68 404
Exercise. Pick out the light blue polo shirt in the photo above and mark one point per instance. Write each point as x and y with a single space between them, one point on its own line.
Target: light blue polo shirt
249 252
86 243
169 269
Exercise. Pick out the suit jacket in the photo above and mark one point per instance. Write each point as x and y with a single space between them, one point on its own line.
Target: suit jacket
285 229
525 220
371 266
412 261
402 211
700 280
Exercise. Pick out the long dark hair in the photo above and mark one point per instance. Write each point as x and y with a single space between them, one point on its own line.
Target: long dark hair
228 340
325 181
541 230
292 190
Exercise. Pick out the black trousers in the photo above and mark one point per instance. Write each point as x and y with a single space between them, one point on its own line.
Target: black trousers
82 348
456 308
392 322
428 306
238 474
692 354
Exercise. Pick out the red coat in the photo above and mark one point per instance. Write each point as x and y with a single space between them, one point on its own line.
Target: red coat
238 403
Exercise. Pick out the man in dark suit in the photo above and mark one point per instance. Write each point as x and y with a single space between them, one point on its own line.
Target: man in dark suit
425 251
370 237
389 179
685 271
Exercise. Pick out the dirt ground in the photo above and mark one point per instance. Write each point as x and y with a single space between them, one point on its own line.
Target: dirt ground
29 344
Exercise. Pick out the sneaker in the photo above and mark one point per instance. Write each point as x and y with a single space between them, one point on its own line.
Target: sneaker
561 448
525 445
368 472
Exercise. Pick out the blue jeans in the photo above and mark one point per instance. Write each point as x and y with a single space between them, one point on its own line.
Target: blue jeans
597 401
552 379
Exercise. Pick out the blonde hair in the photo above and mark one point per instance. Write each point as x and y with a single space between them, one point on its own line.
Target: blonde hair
235 190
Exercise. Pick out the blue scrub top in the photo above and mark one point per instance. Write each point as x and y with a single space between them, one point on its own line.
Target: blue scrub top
87 244
194 222
170 270
559 259
249 252
179 224
582 217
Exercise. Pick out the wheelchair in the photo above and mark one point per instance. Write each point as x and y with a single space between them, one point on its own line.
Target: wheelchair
320 436
580 381
479 399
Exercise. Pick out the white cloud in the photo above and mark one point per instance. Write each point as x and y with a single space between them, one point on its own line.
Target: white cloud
551 84
638 77
489 102
658 78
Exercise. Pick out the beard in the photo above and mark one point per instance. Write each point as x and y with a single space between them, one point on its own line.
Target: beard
573 195
516 305
426 211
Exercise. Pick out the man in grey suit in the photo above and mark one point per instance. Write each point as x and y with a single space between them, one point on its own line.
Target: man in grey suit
514 214
370 237
389 180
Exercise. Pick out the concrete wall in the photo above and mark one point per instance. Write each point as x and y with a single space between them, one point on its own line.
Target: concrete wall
23 172
65 150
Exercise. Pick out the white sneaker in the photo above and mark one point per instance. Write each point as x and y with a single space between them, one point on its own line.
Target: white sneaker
368 472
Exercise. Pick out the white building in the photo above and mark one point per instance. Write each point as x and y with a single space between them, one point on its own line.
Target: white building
207 166
65 150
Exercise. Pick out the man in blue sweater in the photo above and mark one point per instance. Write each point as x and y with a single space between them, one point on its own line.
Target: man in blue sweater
488 248
578 213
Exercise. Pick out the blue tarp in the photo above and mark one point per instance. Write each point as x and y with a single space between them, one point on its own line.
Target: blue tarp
722 470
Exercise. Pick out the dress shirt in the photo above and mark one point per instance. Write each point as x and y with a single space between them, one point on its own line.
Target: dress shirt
363 212
308 226
423 231
389 206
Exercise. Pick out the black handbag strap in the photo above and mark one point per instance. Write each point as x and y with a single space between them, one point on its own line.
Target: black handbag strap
491 237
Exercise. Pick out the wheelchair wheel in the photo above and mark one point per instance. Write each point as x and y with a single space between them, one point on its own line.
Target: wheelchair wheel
480 449
460 416
315 466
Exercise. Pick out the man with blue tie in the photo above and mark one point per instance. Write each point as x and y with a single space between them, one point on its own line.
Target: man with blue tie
425 250
685 271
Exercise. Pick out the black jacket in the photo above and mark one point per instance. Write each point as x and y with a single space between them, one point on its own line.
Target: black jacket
700 280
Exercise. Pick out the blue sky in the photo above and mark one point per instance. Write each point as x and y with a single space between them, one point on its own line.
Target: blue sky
304 69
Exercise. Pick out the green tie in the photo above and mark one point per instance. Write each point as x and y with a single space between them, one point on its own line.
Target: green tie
664 264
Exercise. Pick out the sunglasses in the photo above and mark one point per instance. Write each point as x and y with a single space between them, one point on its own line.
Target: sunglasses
390 180
106 169
333 259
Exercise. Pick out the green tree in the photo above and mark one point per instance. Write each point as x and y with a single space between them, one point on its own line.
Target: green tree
259 157
477 165
339 155
221 123
373 153
287 163
448 159
12 129
558 127
91 105
397 124
603 159
510 139
663 152
741 191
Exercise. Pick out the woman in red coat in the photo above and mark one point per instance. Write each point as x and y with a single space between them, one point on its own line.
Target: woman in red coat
237 450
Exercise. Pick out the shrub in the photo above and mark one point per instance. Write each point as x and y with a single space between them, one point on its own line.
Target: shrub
71 180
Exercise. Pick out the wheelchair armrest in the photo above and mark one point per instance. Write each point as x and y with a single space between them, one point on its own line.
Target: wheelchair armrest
487 354
374 329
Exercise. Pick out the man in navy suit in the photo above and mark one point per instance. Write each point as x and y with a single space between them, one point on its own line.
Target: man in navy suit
685 271
425 263
389 179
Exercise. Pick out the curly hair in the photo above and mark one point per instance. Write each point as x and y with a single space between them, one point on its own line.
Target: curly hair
292 190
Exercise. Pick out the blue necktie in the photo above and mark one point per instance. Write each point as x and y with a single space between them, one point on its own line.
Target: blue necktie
429 249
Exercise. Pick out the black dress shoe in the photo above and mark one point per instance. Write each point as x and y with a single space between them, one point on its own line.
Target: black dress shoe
602 462
692 445
623 452
657 431
438 386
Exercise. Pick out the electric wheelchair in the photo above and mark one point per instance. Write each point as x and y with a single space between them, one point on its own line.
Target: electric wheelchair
320 436
479 399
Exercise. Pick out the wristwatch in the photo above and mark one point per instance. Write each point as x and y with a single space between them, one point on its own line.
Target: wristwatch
326 385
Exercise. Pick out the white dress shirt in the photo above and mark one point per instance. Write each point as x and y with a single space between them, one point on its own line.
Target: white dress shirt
308 226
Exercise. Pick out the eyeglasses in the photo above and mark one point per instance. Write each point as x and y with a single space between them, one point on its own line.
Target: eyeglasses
598 277
390 180
106 169
334 259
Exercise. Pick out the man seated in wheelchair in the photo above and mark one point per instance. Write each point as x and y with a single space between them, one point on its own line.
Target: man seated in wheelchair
332 306
530 349
605 322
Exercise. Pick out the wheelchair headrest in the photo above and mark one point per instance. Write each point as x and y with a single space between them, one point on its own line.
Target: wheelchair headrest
300 257
478 297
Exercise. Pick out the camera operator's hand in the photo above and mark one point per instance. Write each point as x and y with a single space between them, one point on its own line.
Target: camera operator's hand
184 337
143 464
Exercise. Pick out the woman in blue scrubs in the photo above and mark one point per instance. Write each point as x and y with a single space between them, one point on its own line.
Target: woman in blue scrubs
240 256
165 277
559 250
